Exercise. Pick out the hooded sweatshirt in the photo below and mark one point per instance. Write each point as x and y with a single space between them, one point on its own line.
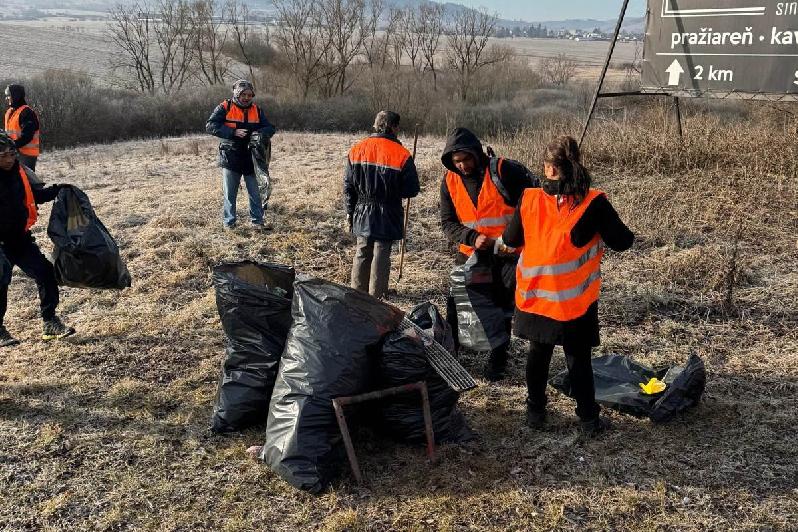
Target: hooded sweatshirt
28 120
514 176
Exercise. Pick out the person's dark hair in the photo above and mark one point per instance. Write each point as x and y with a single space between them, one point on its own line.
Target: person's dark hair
563 153
386 121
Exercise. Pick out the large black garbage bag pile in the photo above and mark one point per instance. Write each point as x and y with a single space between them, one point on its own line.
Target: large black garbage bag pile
85 254
330 352
254 303
480 322
617 379
403 362
5 269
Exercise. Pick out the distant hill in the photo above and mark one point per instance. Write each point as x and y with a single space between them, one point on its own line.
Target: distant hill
630 24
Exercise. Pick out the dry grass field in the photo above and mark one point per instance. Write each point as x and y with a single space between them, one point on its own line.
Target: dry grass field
108 430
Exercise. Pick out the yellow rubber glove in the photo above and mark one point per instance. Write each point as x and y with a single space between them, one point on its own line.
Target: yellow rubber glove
654 386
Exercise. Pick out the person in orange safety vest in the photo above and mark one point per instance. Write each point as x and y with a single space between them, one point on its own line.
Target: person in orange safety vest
379 174
478 197
22 125
563 228
20 193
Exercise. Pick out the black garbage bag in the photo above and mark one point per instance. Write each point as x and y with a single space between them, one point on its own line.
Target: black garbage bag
254 303
403 362
260 148
5 270
331 351
481 324
617 379
85 254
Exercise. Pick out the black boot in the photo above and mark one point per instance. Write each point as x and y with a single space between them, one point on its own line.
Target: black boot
497 363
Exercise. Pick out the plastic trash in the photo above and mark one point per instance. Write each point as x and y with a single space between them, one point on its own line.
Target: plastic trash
254 304
331 351
480 322
617 379
85 254
260 148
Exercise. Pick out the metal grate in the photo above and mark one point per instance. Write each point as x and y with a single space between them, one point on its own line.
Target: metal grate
444 363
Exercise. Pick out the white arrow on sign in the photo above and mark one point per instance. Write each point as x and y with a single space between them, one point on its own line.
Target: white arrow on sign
674 71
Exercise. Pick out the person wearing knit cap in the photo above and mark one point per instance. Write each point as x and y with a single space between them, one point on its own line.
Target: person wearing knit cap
20 193
478 196
22 125
234 121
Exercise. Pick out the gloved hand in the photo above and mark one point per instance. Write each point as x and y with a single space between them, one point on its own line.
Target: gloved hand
500 248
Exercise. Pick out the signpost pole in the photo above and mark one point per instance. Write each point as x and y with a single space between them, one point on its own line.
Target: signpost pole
678 115
604 70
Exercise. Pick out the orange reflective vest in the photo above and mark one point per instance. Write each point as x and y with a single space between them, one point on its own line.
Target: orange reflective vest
379 153
14 130
238 118
30 202
554 278
489 216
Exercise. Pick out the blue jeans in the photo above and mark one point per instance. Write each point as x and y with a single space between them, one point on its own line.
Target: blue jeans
230 183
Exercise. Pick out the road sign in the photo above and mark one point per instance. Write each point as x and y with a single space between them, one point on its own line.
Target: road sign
722 48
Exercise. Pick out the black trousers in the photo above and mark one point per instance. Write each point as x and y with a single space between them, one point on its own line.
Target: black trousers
580 375
27 255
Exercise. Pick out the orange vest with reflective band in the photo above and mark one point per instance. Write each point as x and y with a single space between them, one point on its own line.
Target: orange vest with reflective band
380 153
30 202
489 216
238 118
14 130
554 278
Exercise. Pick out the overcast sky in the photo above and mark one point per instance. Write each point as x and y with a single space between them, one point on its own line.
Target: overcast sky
534 10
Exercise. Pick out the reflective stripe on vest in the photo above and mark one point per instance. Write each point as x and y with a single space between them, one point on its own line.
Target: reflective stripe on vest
554 278
30 202
14 130
238 118
379 152
491 214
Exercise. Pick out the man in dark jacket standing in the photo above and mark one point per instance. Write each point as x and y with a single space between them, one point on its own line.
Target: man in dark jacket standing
234 120
20 192
479 194
22 125
380 173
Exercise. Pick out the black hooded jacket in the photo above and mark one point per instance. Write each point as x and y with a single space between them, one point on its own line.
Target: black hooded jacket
28 120
234 152
13 212
514 176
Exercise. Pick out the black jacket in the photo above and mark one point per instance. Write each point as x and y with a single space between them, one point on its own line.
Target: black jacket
234 152
514 176
13 213
373 193
28 121
599 217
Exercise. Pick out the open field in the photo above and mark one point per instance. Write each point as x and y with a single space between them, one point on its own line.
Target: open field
108 430
31 47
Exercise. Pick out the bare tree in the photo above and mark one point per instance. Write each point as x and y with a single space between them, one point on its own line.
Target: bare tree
430 28
302 41
347 27
558 70
174 36
240 20
467 35
210 36
375 46
130 29
410 28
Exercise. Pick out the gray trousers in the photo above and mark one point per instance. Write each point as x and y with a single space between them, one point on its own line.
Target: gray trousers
372 266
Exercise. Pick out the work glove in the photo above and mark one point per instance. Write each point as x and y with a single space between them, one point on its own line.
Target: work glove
500 248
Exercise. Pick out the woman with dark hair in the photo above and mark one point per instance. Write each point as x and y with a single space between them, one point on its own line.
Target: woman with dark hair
563 228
